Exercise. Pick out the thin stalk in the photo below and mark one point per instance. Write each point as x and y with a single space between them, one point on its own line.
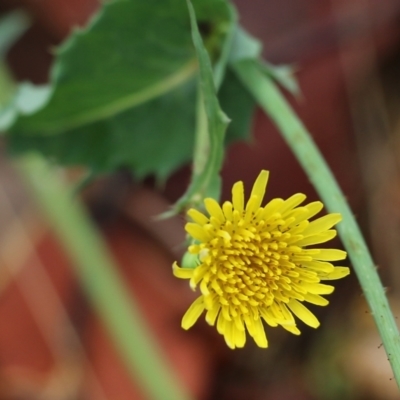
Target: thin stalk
202 138
271 100
101 281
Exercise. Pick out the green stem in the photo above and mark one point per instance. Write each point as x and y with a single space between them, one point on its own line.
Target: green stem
101 281
269 97
202 139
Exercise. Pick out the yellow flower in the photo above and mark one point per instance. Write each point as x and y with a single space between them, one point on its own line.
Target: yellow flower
254 263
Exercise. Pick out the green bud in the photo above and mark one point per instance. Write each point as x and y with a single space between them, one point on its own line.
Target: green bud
190 260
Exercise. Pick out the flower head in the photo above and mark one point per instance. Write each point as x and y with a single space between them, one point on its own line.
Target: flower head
254 264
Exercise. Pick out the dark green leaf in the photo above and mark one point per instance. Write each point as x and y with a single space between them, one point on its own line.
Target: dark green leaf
124 88
237 102
132 51
154 138
234 97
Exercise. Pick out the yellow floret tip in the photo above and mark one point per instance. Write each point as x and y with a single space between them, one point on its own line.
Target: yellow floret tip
254 264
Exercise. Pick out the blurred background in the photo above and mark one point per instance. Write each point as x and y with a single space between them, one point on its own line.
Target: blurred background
53 347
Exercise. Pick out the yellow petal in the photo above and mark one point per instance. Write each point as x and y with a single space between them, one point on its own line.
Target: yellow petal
197 216
287 314
322 224
228 334
303 313
239 323
291 202
316 299
293 294
270 208
197 232
268 317
319 266
330 255
227 209
204 288
304 213
317 288
224 234
225 313
249 324
317 238
211 302
298 229
239 336
214 209
314 208
278 314
292 329
199 272
182 273
221 322
338 273
259 187
238 196
298 215
259 334
194 249
193 313
251 207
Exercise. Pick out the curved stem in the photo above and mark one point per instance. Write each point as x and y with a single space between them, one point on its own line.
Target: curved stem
296 135
101 282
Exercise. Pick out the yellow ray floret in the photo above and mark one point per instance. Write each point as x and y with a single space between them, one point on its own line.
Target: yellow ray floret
254 266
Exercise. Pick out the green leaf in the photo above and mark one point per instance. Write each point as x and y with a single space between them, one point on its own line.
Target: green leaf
124 88
234 97
154 138
238 103
131 52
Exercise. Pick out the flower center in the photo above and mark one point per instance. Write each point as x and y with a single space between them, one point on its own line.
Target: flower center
252 262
